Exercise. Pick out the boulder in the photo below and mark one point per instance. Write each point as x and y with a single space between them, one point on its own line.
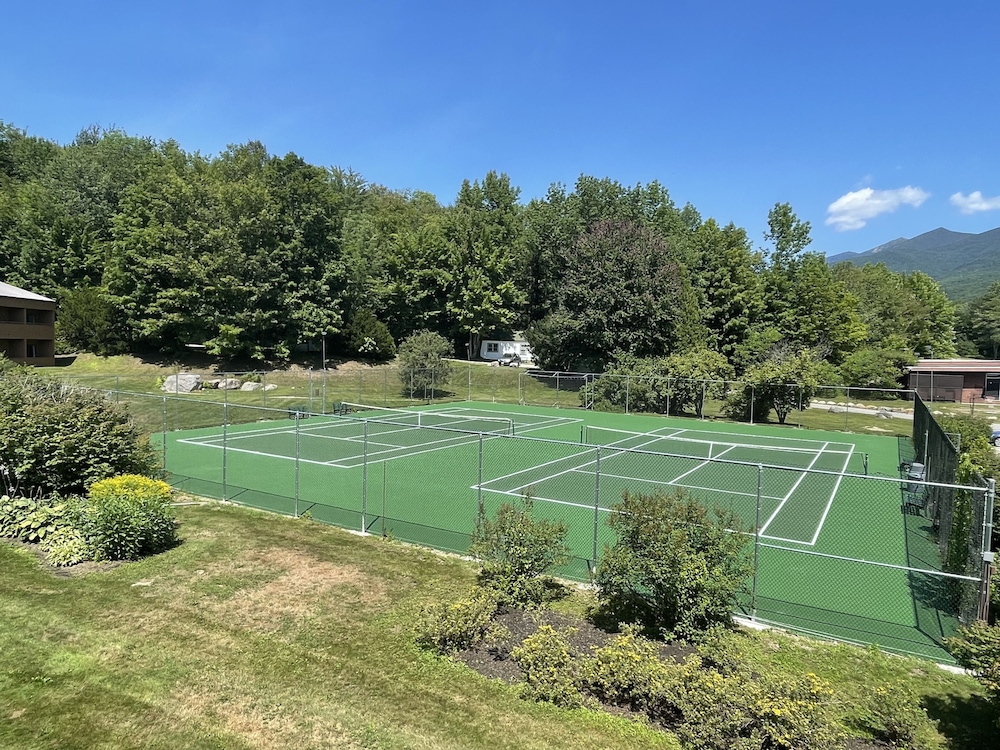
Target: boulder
270 387
251 387
230 384
184 382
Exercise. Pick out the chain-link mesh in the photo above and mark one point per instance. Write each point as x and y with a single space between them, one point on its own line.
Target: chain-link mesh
838 551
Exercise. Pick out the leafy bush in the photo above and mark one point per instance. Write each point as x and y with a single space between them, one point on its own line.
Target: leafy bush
548 667
674 567
66 546
423 368
516 549
977 648
450 627
628 672
892 714
59 439
31 520
709 707
370 337
128 517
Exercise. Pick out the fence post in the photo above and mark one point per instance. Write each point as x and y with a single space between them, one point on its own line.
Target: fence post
479 482
668 394
756 545
751 404
984 587
470 382
597 498
297 415
164 447
628 380
225 430
364 481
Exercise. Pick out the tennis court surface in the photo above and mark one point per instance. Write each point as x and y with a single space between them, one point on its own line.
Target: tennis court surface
836 553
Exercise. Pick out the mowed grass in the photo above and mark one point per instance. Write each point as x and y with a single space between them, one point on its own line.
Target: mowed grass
257 632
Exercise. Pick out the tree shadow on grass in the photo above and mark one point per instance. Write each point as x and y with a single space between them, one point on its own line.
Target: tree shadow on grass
969 722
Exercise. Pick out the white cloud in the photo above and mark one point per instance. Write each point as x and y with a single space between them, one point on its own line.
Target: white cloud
974 203
854 210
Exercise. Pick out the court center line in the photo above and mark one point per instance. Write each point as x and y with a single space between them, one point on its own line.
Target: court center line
829 503
792 490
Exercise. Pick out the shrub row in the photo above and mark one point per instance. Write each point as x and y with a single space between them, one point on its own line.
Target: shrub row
121 518
716 699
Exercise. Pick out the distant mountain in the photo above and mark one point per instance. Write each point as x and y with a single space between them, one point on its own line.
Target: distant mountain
963 264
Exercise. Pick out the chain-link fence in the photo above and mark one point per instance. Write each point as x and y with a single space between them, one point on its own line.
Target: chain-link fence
837 552
318 391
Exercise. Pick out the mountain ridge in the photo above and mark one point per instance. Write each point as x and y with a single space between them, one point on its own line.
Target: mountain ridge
964 264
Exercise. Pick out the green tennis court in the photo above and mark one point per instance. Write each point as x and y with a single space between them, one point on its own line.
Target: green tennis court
835 551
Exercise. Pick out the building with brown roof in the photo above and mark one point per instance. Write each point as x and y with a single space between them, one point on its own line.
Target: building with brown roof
27 326
960 380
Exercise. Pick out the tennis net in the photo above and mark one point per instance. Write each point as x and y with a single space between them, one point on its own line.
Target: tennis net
438 420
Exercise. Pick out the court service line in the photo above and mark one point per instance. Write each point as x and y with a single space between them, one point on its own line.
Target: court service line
791 491
515 493
701 465
686 486
829 504
561 473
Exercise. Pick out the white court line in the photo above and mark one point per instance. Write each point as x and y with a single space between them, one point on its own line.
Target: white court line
449 442
584 452
685 486
829 504
514 493
792 490
701 465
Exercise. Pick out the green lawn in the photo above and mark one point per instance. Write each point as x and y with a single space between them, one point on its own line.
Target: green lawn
259 631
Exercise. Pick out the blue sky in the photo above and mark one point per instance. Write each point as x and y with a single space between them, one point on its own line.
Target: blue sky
873 119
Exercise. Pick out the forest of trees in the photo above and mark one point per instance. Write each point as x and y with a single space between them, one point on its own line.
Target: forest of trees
149 248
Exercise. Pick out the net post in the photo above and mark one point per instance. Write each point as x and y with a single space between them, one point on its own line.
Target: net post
597 498
297 444
866 464
756 545
364 481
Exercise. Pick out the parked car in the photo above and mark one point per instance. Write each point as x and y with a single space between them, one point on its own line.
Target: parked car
995 436
510 359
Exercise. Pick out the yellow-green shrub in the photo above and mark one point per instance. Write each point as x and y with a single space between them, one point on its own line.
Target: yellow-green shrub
453 626
548 668
127 517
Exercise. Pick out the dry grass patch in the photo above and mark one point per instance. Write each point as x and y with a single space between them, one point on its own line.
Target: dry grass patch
240 709
305 587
